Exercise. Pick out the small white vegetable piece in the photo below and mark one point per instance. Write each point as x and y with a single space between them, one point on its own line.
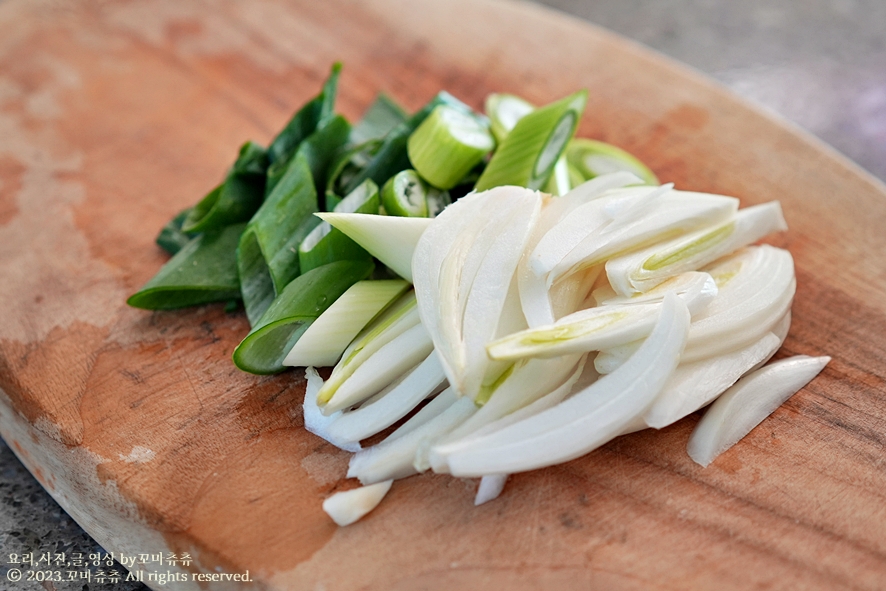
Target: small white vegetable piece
490 487
588 419
390 239
744 406
462 270
395 458
323 343
602 327
395 403
643 270
315 421
381 368
349 506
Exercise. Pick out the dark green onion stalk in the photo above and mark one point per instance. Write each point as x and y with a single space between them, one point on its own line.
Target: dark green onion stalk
171 238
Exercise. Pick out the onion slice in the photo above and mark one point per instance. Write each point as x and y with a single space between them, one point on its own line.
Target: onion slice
490 487
744 406
315 421
349 506
588 419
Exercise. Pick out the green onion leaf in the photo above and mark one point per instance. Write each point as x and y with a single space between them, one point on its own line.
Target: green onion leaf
237 198
306 120
447 145
171 238
326 244
383 115
292 312
267 257
203 271
527 155
592 158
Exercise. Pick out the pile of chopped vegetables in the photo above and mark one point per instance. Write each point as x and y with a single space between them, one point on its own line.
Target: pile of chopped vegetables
510 296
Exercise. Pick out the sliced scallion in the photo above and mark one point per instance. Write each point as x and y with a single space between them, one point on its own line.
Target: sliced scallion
172 238
326 244
504 110
591 158
528 154
326 339
447 145
300 303
203 271
406 194
383 115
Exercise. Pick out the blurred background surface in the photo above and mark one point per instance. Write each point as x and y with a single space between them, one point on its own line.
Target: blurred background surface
818 63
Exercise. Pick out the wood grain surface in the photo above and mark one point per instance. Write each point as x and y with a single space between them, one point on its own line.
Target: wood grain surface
114 115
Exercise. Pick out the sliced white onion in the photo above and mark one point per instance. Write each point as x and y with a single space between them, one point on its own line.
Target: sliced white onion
490 488
744 406
349 506
396 403
315 421
588 419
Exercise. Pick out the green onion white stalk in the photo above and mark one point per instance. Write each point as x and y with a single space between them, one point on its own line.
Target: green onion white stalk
490 488
589 418
447 145
642 270
390 239
349 506
384 366
592 158
395 403
397 319
744 406
323 343
462 270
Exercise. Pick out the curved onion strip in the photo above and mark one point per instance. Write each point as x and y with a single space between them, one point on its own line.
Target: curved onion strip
315 421
490 487
369 419
744 406
395 458
643 270
588 419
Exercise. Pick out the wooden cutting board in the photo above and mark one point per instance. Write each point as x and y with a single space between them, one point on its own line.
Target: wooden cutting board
114 115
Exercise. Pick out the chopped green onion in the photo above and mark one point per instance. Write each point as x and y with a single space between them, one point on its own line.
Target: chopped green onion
267 257
300 303
528 154
591 158
324 342
306 120
383 115
237 198
171 238
326 244
203 271
390 239
504 110
447 145
392 156
406 194
346 507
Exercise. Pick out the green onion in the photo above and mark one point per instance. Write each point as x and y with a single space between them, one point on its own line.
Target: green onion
306 120
324 342
293 311
267 257
528 154
447 145
390 239
326 244
406 195
172 238
504 110
392 156
237 198
383 115
345 167
591 158
203 271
